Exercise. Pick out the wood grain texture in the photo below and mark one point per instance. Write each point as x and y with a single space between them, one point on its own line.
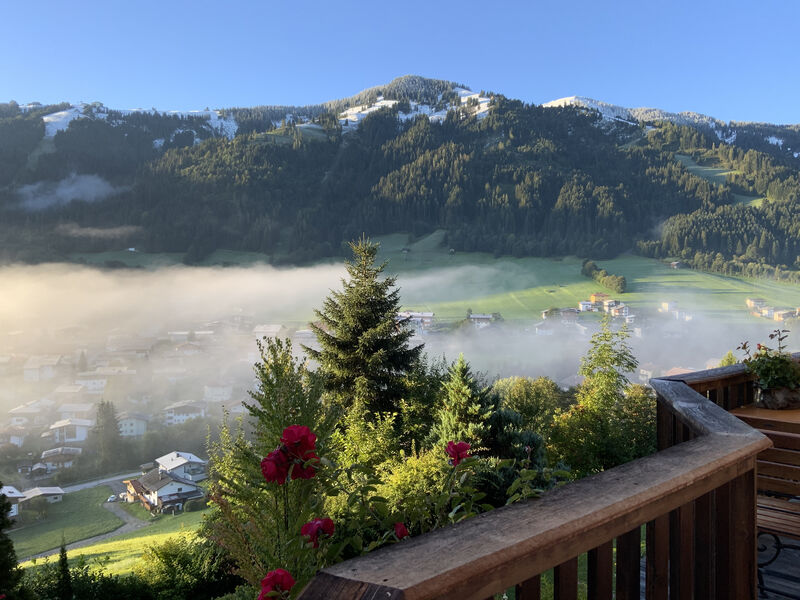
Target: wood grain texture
599 572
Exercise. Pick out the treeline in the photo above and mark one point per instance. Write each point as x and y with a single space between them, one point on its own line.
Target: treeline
615 283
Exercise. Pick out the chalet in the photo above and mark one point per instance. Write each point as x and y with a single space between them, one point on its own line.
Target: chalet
609 304
76 411
31 413
545 328
755 303
157 490
420 321
668 306
782 315
51 494
71 430
480 320
630 319
180 412
14 496
585 306
132 424
42 368
598 298
620 310
184 465
217 392
60 458
767 312
569 315
14 435
94 382
270 330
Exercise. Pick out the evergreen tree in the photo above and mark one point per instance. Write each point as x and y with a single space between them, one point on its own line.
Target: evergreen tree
728 360
365 352
106 439
10 573
64 584
466 409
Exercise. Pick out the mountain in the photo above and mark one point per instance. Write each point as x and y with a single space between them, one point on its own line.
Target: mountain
575 176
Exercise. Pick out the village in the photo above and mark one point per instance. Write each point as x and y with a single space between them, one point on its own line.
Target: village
162 380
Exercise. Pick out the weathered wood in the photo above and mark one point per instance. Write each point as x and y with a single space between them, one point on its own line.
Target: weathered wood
779 455
781 471
773 484
565 580
599 567
325 587
722 539
703 546
530 589
628 575
665 425
681 559
770 422
784 440
743 536
657 562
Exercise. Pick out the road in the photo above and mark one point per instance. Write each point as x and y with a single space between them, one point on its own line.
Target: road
105 481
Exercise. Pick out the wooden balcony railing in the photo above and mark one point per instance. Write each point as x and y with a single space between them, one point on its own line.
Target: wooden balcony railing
695 496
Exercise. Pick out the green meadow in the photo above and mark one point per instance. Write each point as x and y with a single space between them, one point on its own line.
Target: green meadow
78 516
715 175
119 554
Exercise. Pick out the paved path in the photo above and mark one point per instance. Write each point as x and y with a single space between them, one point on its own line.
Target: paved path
131 523
96 482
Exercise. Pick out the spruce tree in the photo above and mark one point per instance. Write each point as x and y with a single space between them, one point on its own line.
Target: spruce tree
466 409
10 573
106 440
364 347
64 582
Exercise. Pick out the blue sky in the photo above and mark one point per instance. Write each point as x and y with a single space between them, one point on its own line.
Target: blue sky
735 60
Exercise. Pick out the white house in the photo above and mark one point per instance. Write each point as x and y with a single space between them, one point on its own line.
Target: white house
158 490
14 496
420 321
479 321
132 424
31 413
95 383
217 392
60 458
42 368
585 306
14 435
180 412
71 430
76 411
184 465
51 494
270 330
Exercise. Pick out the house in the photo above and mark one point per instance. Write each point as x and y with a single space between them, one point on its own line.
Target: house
767 312
178 336
60 458
157 490
42 368
14 435
69 393
585 306
95 383
545 328
782 314
569 315
71 430
676 264
420 321
51 494
14 496
754 303
180 412
668 307
184 465
31 413
598 298
132 424
270 330
620 310
480 320
76 411
217 392
610 303
630 319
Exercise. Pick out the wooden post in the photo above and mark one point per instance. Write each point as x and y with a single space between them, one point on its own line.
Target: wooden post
657 566
600 566
565 580
703 547
530 589
628 557
743 559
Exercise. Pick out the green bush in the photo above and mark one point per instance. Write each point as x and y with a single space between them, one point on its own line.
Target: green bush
195 504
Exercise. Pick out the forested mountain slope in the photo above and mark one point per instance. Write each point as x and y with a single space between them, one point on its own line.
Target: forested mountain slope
296 182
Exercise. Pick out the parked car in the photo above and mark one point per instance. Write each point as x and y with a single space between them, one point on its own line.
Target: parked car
112 498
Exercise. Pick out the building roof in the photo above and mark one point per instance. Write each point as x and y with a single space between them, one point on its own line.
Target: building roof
10 491
187 406
69 388
66 451
132 415
76 422
154 480
45 360
75 407
175 459
25 409
42 491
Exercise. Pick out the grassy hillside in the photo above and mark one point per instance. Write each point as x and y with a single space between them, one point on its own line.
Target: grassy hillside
123 551
78 516
715 175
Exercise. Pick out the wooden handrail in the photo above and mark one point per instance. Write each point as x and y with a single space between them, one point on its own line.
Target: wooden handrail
513 545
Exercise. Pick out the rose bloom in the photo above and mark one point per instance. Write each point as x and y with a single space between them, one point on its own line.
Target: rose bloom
278 580
299 441
400 531
275 466
315 527
457 451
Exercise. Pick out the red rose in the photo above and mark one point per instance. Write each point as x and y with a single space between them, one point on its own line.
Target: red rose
305 469
278 580
299 441
314 527
400 531
275 466
457 451
758 346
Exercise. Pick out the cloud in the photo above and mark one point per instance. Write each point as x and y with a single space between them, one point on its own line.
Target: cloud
44 194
